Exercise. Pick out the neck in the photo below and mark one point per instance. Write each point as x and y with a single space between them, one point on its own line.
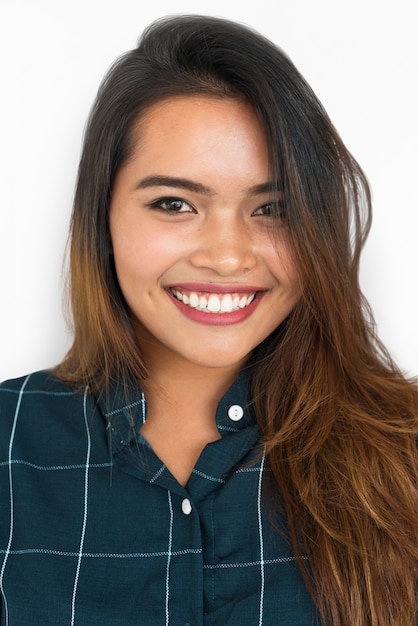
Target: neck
175 380
185 385
182 398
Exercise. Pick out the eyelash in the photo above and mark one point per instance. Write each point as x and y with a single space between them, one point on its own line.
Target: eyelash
158 204
275 209
167 200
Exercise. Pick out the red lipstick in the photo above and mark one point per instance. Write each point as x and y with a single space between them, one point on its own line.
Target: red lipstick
216 318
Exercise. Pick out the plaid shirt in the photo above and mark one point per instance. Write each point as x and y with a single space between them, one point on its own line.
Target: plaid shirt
94 530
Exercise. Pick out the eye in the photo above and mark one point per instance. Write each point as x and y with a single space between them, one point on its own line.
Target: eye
171 205
271 209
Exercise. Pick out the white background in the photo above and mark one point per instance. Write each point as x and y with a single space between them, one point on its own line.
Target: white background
361 58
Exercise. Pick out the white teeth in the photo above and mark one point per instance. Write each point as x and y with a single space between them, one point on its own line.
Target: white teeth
193 300
214 303
226 304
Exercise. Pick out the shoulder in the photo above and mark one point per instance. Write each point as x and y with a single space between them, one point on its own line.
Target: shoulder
42 384
47 421
41 381
35 398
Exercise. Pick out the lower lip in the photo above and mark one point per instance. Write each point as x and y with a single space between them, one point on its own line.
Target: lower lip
217 319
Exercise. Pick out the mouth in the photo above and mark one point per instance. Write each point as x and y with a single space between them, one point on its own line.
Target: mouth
212 302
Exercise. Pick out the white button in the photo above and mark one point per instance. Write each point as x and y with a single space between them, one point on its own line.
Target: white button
235 412
186 507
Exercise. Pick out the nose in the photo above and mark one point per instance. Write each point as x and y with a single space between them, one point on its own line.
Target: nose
225 246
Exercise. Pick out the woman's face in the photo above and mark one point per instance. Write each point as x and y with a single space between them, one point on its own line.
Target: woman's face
190 226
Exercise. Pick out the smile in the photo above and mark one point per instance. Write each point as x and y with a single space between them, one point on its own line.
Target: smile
213 302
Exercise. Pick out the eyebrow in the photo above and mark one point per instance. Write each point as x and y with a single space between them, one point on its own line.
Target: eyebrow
190 185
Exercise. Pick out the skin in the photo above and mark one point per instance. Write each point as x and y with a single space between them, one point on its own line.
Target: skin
218 239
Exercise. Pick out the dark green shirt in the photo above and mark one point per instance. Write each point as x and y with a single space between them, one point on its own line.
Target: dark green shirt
94 530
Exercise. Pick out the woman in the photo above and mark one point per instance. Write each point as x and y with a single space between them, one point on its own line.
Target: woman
226 442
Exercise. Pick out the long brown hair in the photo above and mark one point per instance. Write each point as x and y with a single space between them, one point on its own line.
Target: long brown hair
339 420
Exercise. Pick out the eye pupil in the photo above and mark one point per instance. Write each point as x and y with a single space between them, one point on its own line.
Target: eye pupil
175 205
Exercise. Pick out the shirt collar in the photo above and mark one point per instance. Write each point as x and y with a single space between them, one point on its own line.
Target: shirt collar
123 406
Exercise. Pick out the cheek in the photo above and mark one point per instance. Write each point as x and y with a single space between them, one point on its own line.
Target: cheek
134 266
281 262
142 254
128 253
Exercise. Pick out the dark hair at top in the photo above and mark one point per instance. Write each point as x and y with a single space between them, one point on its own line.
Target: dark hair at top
338 418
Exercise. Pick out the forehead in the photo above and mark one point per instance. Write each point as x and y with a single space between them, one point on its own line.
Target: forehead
194 103
187 131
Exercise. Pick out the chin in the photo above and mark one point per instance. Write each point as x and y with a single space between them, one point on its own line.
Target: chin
220 361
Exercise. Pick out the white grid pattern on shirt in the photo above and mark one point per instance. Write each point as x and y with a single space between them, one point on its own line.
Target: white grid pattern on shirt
128 406
160 471
11 498
214 479
169 554
86 493
144 407
283 559
55 468
88 466
41 392
261 563
107 555
260 531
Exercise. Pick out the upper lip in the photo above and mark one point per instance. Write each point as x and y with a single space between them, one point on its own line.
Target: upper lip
218 288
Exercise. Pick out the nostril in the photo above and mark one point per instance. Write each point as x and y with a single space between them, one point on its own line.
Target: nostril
224 258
